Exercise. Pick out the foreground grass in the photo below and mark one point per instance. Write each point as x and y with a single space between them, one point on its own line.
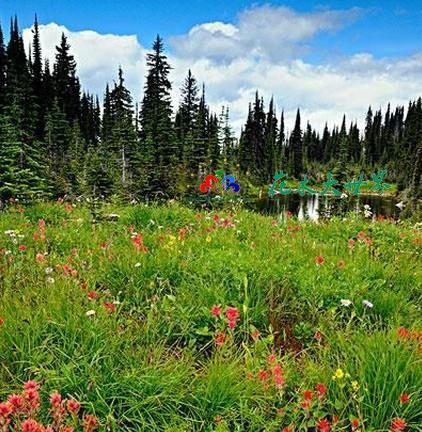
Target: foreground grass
150 355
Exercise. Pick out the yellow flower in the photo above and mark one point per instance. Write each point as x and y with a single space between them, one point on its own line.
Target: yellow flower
355 385
208 239
339 373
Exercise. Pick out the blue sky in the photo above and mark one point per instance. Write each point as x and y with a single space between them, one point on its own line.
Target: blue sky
385 28
327 57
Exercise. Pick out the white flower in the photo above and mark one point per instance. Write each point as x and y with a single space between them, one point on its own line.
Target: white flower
10 233
50 280
343 195
48 270
138 264
345 302
116 302
89 313
367 304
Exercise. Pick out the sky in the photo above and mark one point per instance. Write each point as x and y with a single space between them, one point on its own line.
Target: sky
327 58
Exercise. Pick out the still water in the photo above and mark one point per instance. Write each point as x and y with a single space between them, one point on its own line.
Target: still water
314 206
307 207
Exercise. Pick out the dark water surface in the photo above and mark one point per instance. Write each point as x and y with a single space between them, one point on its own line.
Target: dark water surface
309 206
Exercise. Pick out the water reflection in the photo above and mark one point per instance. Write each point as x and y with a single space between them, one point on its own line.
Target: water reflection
313 206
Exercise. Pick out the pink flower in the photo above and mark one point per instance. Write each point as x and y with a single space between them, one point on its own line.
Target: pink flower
232 324
220 339
404 398
318 336
215 311
31 385
5 409
22 248
110 306
92 295
263 375
255 334
16 401
278 380
355 424
40 257
321 390
232 314
55 399
308 395
90 423
324 425
73 406
361 234
319 260
351 243
398 424
30 425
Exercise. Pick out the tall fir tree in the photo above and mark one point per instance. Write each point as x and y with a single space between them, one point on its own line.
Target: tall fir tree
296 144
159 148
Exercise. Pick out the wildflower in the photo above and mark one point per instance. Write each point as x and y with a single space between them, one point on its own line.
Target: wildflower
272 358
40 257
287 429
345 302
319 260
305 404
361 234
232 324
90 423
338 374
218 419
355 385
404 398
318 336
278 380
22 248
324 425
73 406
354 423
138 264
90 313
277 369
50 280
341 264
215 311
255 334
1 321
263 375
216 218
232 314
368 242
220 339
403 333
398 424
308 395
367 304
104 245
31 385
55 399
48 270
30 425
16 401
92 295
208 239
321 389
5 409
110 306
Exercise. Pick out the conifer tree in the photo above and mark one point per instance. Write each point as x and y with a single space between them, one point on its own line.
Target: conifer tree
296 145
159 149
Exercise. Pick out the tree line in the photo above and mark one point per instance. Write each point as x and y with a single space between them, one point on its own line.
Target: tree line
57 140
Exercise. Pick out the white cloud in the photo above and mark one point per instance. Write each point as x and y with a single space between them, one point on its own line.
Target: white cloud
98 56
261 50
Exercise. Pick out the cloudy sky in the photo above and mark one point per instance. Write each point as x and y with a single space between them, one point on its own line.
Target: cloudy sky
326 58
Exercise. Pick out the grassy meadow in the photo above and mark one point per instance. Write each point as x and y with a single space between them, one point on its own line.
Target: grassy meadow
169 319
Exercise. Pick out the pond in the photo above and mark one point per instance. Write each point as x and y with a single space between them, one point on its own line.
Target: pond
307 207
